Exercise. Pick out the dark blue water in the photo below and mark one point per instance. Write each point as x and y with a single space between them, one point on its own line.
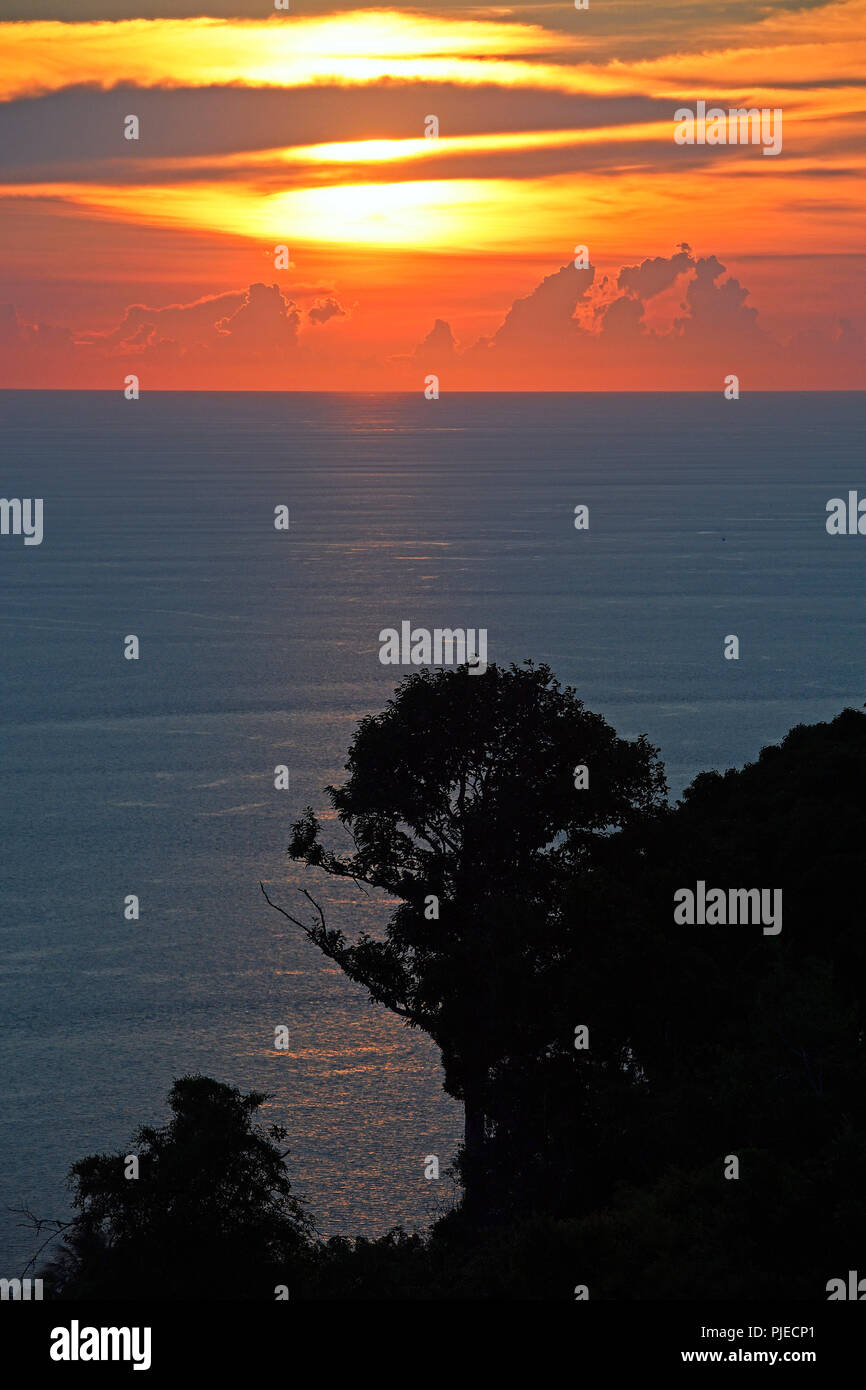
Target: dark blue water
155 777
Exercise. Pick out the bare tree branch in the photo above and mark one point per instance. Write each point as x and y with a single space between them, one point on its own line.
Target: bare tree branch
317 907
38 1223
319 937
308 931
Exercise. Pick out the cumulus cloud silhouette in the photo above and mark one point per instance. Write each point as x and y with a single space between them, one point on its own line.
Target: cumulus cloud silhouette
722 307
266 322
667 323
439 346
652 276
184 324
548 309
325 308
575 333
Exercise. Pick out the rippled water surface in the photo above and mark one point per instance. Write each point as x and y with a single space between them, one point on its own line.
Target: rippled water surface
259 647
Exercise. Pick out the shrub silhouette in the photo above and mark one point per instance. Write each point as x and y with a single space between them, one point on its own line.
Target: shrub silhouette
211 1214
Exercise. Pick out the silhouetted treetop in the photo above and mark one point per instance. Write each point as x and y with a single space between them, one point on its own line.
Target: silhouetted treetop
208 1211
465 781
461 801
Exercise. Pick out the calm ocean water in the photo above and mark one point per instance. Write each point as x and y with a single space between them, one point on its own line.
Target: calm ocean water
258 647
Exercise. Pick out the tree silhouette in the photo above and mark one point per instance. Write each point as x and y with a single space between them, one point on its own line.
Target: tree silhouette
705 1041
461 802
763 1036
709 1040
210 1214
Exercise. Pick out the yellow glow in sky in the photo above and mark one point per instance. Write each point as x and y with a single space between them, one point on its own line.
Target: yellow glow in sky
288 50
463 216
295 194
279 52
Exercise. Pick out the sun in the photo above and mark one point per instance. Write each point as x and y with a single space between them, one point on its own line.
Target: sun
412 213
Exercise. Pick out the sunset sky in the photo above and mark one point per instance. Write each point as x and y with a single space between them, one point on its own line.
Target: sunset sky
410 255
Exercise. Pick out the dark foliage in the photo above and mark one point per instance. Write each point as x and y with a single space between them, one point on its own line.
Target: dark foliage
601 1166
211 1214
463 790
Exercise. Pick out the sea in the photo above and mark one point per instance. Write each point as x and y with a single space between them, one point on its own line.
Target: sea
259 647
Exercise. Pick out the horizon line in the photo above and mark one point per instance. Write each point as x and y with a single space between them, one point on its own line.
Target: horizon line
481 391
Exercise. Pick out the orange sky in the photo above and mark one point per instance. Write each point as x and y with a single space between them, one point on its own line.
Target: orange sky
307 129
